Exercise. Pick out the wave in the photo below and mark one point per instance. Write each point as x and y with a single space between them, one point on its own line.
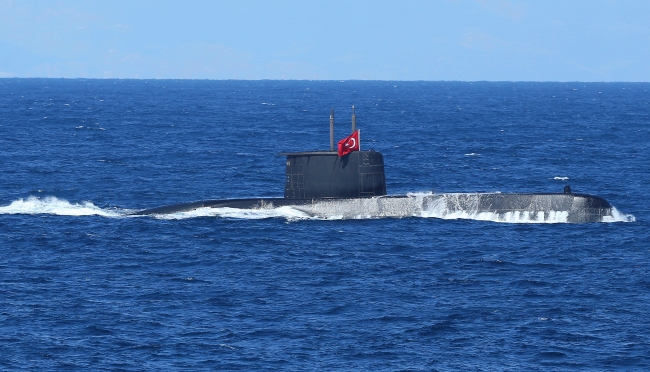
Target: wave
60 207
418 205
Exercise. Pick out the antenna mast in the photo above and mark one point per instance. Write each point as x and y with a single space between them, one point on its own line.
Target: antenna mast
332 130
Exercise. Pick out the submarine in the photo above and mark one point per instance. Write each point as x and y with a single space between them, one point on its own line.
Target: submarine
351 183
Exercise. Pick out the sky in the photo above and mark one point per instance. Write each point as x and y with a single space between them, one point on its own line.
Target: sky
464 40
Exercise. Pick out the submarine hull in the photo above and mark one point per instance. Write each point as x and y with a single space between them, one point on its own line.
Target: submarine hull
538 207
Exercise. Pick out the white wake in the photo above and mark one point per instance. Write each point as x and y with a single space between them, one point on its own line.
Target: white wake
55 206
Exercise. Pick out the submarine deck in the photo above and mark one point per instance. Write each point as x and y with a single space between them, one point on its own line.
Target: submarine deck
580 207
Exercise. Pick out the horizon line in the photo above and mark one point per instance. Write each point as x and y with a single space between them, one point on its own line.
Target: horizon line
333 80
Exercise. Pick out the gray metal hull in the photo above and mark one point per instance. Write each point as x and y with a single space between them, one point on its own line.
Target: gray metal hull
543 207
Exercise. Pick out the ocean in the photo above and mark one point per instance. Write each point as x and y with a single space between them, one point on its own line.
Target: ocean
85 286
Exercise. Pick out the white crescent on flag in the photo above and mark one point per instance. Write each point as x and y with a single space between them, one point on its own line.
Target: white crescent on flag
349 144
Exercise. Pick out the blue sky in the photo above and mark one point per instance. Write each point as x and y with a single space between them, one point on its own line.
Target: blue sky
468 40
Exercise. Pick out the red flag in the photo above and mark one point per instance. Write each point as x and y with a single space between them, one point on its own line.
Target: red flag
349 144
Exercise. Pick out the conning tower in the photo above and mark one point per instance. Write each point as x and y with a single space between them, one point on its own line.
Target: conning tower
324 174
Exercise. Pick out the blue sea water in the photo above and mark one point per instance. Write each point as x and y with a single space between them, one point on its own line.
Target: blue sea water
83 286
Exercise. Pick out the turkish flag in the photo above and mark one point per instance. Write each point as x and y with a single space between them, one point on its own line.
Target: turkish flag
349 144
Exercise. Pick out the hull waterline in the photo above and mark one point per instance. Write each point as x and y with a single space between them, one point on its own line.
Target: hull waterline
542 207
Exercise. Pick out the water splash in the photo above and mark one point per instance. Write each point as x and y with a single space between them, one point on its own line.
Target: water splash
618 216
56 206
465 206
234 213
